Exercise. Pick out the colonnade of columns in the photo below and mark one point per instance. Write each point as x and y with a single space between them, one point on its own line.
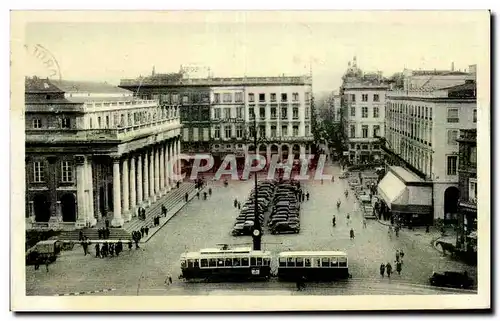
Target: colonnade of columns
140 178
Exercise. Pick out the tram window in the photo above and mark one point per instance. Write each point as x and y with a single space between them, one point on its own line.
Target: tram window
325 262
299 262
196 263
245 261
282 261
333 262
190 263
307 262
342 262
212 262
220 262
228 262
183 264
290 262
236 262
204 262
266 262
318 262
259 261
253 261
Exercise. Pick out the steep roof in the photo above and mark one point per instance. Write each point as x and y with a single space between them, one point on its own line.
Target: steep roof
71 86
40 85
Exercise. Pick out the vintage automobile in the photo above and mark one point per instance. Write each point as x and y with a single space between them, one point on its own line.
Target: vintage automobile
451 279
284 228
43 252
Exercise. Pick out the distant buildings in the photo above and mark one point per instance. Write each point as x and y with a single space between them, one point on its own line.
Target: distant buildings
363 101
423 121
217 113
94 151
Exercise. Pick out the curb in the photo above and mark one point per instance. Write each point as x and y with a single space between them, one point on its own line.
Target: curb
191 196
85 292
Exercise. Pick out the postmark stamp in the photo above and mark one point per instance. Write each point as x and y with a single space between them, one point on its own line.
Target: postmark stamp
45 59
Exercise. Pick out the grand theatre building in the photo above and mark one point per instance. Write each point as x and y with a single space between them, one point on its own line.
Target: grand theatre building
94 151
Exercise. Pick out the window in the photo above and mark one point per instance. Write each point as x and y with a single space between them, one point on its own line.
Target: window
262 97
284 131
251 98
239 112
473 189
90 122
37 123
236 262
295 96
66 171
352 145
352 131
308 98
217 113
216 98
98 122
175 98
451 168
375 112
262 131
227 98
259 261
295 130
307 262
307 130
333 262
430 113
262 113
364 97
358 147
252 113
38 172
325 262
290 261
353 97
284 113
273 97
453 115
227 130
245 261
273 131
452 136
239 131
299 262
107 121
353 111
364 146
307 113
185 99
282 261
238 97
204 263
364 131
295 113
227 113
474 116
228 262
217 132
364 112
473 155
273 113
376 97
376 130
284 97
65 122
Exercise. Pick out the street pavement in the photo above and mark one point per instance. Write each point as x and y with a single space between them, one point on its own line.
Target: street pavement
202 224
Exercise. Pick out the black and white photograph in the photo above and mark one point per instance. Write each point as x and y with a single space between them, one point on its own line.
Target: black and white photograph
250 160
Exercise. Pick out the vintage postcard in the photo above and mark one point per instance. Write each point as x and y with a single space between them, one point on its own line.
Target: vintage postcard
250 161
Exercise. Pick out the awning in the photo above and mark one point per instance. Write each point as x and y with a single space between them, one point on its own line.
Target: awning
391 189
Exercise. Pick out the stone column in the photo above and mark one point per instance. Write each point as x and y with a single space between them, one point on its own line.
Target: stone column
117 206
90 181
165 166
80 191
139 182
156 152
145 180
133 196
169 164
178 152
125 191
161 164
151 167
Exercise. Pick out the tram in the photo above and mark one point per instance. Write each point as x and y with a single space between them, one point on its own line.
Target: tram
313 265
237 263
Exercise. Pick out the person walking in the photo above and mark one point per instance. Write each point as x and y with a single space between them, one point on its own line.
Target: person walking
210 191
186 197
401 254
351 234
388 268
399 267
235 203
146 230
85 246
397 255
364 223
97 250
198 194
382 269
307 195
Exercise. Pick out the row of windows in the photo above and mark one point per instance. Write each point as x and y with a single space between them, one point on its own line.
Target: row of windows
418 157
64 122
228 97
227 113
364 112
228 131
229 262
420 131
411 110
319 262
363 146
274 113
39 170
364 97
273 97
364 131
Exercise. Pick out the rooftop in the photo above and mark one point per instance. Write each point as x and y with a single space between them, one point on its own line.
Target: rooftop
40 85
406 175
71 86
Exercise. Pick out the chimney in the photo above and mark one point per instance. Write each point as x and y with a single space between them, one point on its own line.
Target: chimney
452 66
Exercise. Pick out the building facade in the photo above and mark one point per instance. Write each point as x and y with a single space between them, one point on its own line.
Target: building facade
422 127
467 185
94 151
363 107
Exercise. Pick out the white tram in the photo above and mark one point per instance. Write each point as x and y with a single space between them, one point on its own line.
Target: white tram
313 265
238 263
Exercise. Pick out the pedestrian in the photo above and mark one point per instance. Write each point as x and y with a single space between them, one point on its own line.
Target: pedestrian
146 230
107 223
99 233
178 184
239 205
198 194
97 250
399 267
111 249
321 181
235 203
80 236
108 232
169 279
382 269
364 223
351 234
85 245
163 210
401 254
307 195
47 264
142 231
210 191
186 197
119 247
397 255
205 196
104 250
388 269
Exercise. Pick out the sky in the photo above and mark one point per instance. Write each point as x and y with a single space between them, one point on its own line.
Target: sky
109 47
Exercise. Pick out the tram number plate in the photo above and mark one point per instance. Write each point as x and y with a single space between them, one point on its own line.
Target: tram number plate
255 271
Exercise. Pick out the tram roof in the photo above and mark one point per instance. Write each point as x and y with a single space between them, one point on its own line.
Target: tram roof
213 253
312 253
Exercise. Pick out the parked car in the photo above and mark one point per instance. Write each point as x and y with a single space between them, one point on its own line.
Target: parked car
451 279
285 227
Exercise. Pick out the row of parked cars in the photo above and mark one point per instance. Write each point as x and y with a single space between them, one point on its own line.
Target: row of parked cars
286 209
246 219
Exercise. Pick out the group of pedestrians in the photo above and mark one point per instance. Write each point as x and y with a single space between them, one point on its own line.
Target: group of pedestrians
108 249
141 213
387 268
237 204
